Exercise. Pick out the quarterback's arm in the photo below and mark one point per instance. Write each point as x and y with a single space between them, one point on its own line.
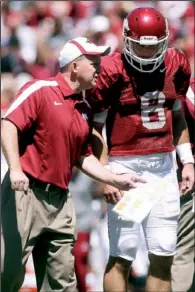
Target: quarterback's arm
180 129
99 145
98 142
183 149
181 135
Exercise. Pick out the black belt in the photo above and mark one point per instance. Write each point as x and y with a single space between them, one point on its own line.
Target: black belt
47 187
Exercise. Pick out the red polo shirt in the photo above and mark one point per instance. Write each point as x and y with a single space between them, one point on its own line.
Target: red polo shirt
53 125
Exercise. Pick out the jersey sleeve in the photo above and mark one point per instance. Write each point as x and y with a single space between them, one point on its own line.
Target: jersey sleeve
99 97
182 74
25 108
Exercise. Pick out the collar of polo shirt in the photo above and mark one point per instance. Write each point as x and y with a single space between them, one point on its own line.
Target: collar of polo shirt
64 86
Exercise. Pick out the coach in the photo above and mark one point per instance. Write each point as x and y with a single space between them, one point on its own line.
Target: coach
44 134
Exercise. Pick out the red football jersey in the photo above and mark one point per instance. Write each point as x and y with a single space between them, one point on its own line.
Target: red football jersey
140 104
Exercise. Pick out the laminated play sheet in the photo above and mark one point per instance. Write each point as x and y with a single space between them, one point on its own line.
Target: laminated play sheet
137 203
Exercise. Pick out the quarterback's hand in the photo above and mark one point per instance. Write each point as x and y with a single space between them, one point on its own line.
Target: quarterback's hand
111 194
19 181
127 181
187 178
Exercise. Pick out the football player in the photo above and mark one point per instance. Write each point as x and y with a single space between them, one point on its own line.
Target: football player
138 96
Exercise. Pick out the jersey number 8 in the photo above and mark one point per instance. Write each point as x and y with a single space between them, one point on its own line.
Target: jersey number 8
152 111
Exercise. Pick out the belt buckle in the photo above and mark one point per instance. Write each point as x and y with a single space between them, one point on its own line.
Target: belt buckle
47 187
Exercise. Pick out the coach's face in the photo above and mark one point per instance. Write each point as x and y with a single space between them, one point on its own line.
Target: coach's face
88 69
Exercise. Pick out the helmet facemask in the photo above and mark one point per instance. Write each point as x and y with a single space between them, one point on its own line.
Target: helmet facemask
140 63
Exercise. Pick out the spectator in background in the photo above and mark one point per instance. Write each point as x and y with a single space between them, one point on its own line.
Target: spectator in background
8 90
99 32
11 60
25 35
180 15
10 86
75 16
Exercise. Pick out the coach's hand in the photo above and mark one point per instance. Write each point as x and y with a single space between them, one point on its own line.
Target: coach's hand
187 183
19 181
124 182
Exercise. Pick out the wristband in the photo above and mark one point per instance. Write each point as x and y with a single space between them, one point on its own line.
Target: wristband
185 153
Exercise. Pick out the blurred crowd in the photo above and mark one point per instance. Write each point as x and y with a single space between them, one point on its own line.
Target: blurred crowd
32 34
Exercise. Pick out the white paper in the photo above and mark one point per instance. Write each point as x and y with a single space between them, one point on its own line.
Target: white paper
137 203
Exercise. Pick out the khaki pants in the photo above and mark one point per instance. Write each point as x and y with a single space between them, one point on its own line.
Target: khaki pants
183 263
43 223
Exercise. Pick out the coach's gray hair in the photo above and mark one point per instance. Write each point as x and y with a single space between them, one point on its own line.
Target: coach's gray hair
67 66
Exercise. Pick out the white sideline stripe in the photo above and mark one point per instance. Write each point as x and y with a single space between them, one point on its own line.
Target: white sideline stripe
190 95
27 92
